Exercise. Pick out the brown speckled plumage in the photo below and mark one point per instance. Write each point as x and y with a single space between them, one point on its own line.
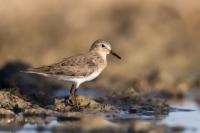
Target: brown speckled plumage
80 65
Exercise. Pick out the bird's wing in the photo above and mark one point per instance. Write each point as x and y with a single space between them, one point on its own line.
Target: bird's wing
73 66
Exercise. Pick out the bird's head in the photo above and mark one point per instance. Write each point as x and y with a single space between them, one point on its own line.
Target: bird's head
103 47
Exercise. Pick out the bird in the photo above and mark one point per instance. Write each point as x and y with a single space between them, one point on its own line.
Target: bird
78 68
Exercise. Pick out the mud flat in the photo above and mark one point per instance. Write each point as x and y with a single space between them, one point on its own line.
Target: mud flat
18 110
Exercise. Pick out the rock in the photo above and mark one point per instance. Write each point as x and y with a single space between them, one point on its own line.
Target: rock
84 102
6 112
36 111
61 105
150 106
11 100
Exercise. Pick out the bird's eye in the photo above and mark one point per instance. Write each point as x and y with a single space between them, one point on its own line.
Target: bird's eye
103 45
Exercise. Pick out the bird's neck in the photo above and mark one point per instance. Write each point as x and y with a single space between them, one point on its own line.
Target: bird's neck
103 55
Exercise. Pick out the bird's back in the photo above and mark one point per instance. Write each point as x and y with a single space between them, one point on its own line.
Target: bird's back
74 66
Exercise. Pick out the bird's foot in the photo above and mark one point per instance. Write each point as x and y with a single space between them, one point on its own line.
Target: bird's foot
73 101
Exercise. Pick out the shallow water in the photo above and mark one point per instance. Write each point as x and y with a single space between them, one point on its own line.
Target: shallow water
186 115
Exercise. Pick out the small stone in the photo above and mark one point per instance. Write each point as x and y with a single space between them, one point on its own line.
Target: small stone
6 112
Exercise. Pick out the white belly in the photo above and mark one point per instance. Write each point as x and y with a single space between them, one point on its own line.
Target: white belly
80 79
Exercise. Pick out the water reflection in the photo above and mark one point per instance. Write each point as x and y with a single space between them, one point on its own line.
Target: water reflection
186 115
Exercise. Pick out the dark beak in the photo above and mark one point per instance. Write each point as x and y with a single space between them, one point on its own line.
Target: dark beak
116 55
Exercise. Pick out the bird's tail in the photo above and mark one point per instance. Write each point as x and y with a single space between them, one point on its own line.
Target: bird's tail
28 71
31 71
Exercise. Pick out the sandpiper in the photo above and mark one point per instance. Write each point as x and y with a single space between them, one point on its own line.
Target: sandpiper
79 68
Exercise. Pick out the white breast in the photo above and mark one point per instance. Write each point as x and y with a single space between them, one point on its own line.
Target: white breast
93 75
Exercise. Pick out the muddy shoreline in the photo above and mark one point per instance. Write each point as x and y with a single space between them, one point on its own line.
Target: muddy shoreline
106 113
17 110
31 102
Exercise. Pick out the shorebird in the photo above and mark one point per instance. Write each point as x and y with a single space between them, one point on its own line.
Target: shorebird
79 68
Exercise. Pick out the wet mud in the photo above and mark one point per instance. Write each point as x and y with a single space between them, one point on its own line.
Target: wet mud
18 109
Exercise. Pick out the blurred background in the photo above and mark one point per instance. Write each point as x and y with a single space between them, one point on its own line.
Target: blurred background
157 39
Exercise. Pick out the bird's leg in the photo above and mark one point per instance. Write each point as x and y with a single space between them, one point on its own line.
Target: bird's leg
72 88
75 92
73 96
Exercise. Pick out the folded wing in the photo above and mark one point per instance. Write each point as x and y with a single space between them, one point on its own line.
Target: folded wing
73 66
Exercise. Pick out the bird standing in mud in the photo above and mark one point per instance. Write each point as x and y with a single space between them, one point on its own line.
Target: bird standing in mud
80 68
